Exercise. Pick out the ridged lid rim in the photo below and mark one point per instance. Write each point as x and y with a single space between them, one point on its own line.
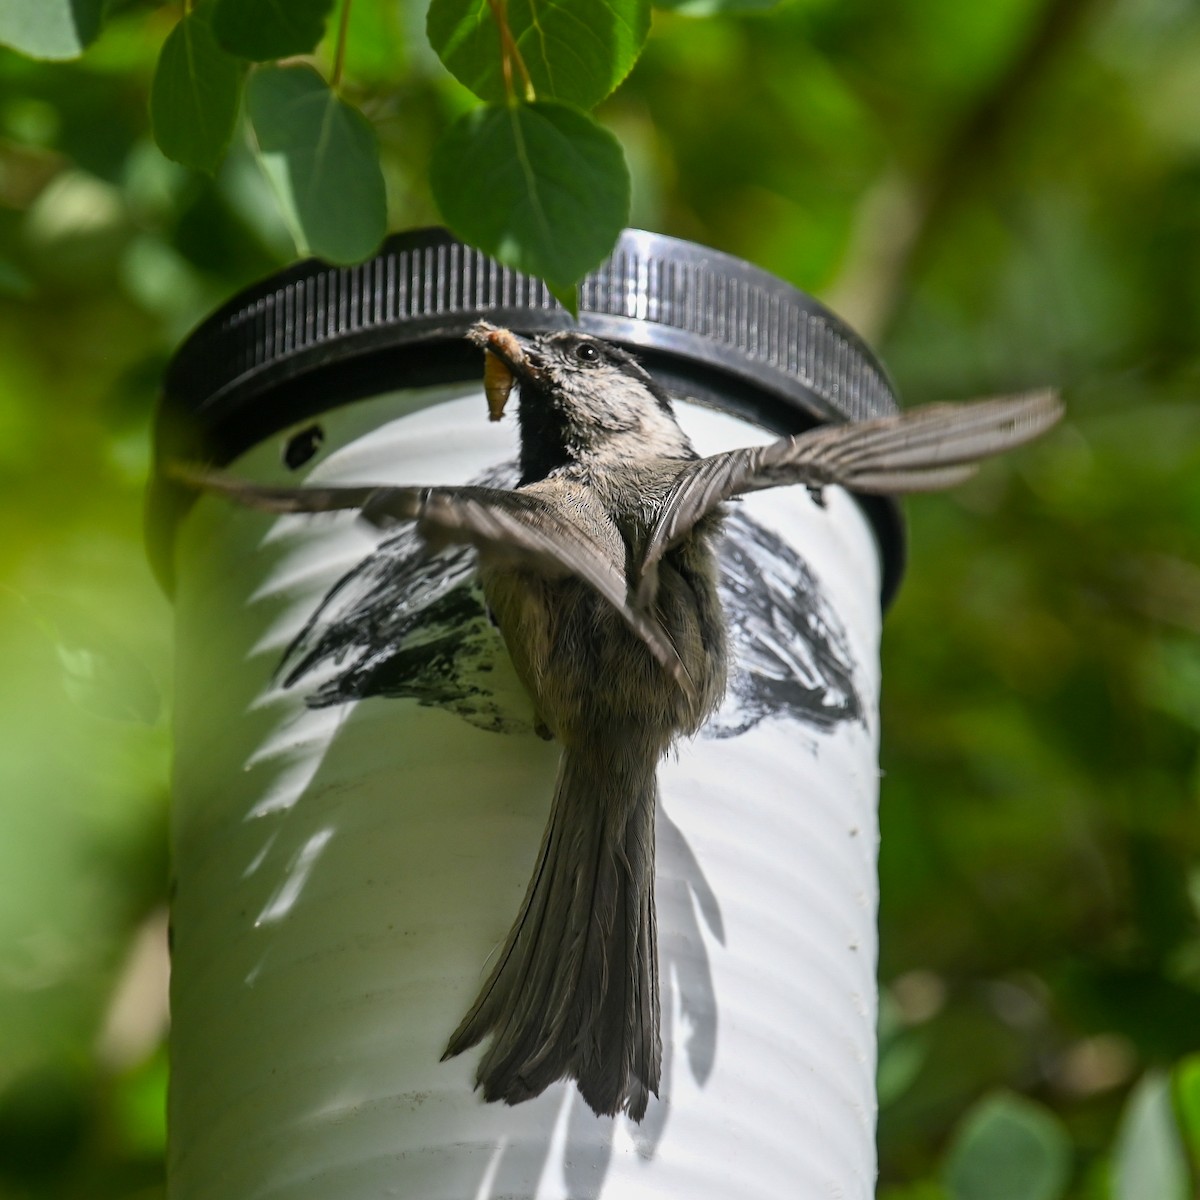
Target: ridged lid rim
654 292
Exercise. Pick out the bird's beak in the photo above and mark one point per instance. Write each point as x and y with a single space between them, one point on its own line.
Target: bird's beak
508 359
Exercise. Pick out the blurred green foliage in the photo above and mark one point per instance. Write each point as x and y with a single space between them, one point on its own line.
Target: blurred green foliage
997 195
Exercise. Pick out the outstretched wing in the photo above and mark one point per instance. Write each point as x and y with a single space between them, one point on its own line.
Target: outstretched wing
513 528
925 449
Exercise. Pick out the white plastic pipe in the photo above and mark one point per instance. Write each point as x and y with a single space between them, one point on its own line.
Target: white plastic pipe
344 872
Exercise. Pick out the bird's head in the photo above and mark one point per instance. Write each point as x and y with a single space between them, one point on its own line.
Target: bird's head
580 398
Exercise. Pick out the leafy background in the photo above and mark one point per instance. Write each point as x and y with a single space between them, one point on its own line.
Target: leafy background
996 194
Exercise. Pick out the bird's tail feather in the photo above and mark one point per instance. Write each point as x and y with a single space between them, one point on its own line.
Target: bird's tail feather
574 991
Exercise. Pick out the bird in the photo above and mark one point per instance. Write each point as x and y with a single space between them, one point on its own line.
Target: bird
600 570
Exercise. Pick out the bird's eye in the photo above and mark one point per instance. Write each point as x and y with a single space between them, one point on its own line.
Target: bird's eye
586 352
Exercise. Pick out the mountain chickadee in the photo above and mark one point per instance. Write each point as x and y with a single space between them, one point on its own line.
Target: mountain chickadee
601 571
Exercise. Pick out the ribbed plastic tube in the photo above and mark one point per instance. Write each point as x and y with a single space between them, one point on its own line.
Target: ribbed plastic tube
344 867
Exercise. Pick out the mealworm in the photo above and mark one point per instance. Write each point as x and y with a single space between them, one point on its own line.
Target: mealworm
498 383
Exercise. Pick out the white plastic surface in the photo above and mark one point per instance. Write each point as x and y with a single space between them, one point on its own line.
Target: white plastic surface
343 874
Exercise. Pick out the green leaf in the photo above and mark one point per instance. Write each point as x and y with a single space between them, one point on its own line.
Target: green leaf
1148 1159
710 8
899 1065
901 1052
1008 1148
54 29
195 95
266 29
139 1105
1187 1082
375 50
923 1189
321 155
541 187
575 50
101 673
98 671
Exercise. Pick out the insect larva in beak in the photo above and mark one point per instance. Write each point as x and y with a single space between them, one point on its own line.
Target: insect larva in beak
498 383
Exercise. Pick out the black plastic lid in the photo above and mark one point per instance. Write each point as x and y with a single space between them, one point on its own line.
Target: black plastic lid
709 326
